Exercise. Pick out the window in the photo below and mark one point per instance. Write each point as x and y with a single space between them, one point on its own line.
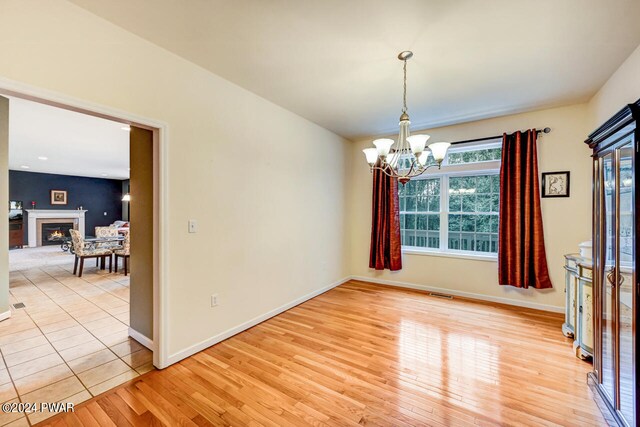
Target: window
474 156
454 209
420 213
473 213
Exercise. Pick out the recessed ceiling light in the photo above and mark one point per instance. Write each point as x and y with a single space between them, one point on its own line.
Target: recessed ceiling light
127 128
104 174
43 158
24 167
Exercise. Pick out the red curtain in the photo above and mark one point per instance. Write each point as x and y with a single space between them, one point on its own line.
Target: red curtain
385 228
522 260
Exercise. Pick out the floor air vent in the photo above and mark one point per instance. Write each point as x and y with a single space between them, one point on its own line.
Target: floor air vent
437 295
19 305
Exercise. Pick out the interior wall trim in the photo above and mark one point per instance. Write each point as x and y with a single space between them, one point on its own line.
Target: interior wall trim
189 351
470 295
5 315
142 339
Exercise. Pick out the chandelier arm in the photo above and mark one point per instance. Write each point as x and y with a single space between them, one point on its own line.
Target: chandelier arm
413 165
383 171
419 173
423 170
390 172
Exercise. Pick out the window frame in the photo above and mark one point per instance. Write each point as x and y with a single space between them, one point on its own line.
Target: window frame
491 167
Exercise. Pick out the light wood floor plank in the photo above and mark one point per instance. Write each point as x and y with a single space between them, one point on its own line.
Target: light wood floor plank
364 354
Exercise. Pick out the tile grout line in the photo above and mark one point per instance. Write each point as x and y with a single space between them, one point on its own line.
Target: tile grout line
14 385
56 351
85 299
74 318
63 360
91 283
44 291
80 324
91 302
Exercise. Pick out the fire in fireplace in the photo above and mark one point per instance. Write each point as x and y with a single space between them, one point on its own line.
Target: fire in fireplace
54 233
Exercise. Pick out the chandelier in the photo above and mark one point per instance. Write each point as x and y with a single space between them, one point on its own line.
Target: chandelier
408 157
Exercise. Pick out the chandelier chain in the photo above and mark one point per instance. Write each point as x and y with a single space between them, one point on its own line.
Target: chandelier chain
404 96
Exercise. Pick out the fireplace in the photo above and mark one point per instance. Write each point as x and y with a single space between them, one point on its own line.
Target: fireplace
55 232
36 218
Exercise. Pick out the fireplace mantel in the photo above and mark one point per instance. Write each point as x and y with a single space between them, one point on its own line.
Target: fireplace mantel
34 214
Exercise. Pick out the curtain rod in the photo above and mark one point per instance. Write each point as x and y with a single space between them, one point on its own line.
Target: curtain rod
545 130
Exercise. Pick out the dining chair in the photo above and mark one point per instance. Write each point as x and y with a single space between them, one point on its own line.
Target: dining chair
105 233
124 254
82 252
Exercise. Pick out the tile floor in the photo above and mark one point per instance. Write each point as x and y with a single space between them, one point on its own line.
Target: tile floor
70 342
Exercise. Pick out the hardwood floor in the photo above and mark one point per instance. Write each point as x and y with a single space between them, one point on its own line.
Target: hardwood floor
364 354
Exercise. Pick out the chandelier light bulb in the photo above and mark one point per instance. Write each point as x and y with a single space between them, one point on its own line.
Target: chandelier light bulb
439 150
424 157
372 155
384 146
417 143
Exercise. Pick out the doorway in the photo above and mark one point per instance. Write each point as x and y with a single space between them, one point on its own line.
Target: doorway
67 320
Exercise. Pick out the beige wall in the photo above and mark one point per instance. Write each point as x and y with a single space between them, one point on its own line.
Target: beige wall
566 221
266 186
622 88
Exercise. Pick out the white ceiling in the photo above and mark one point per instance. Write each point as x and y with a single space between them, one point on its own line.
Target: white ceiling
73 143
334 61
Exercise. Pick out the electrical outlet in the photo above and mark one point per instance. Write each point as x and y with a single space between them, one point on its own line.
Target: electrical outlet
193 226
214 300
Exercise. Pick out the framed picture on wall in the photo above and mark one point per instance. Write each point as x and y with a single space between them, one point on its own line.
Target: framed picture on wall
555 184
58 197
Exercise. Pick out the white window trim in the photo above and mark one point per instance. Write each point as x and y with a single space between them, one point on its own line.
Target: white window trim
464 169
450 253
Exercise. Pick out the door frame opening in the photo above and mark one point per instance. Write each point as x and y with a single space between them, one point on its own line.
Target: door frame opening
160 193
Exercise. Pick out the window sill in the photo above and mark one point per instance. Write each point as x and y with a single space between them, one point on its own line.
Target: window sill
460 255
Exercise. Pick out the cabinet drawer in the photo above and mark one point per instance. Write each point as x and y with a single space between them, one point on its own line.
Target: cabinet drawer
585 271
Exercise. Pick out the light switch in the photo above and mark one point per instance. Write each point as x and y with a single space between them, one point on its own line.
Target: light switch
193 226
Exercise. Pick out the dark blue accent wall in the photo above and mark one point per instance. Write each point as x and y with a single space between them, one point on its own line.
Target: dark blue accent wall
93 194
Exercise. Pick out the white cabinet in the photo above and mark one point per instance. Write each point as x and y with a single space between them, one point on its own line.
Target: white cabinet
578 322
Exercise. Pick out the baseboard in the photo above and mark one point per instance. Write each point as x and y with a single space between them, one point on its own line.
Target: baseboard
5 315
142 339
176 357
507 301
